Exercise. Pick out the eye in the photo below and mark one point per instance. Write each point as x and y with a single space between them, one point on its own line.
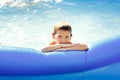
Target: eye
67 36
59 36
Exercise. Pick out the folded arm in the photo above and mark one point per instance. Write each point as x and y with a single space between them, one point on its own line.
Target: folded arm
76 46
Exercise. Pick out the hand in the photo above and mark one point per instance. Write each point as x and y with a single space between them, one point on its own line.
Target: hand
62 49
67 45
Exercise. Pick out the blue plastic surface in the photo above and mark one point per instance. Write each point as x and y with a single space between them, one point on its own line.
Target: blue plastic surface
26 61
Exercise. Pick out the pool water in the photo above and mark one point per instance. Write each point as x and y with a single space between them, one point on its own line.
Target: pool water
29 23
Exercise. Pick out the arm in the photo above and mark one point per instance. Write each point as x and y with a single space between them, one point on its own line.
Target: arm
76 46
51 48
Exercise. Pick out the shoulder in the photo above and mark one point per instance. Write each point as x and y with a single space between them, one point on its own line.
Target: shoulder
52 43
69 42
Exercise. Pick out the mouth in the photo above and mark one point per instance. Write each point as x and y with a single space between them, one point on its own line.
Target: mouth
62 43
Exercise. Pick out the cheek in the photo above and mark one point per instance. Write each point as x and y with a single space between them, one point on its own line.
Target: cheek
56 38
69 38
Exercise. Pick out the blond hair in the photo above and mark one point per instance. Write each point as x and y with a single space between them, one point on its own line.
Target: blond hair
62 26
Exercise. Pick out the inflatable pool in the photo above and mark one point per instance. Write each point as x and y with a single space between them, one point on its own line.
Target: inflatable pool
26 61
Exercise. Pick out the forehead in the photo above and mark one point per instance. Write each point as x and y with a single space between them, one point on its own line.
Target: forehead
64 32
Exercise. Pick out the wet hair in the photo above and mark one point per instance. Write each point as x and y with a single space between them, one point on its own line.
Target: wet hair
62 26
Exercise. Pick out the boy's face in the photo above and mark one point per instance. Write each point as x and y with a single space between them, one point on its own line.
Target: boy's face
62 37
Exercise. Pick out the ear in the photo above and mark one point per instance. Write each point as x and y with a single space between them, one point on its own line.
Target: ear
71 35
53 34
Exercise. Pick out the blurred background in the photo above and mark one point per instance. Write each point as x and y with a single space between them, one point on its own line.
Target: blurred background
29 23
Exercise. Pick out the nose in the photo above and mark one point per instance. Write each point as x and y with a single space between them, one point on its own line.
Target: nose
63 41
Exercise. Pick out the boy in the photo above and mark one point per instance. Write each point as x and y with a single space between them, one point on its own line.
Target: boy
62 35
